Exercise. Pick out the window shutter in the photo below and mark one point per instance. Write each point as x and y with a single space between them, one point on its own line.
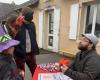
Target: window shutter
73 21
40 28
56 28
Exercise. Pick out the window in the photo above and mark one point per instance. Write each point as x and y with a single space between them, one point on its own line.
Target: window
89 19
93 20
51 22
50 40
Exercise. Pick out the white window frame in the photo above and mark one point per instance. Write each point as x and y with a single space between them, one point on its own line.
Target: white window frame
84 24
94 19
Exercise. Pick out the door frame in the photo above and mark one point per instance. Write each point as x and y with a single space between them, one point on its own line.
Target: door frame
56 43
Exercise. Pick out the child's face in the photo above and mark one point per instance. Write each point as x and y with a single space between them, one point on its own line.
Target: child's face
9 50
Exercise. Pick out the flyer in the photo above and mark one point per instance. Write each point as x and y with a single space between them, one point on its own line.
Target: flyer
53 76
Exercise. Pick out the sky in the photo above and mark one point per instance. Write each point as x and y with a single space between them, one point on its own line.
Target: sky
16 1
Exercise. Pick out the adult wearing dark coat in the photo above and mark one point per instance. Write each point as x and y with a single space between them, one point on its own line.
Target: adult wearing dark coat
28 48
86 65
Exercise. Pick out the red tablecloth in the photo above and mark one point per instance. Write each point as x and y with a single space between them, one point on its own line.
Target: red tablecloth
37 71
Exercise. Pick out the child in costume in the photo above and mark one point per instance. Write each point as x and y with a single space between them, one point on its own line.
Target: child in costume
8 69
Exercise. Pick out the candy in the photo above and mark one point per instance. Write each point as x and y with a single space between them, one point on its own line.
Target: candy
51 67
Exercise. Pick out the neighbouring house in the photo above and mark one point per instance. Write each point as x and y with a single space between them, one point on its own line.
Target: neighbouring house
6 9
29 3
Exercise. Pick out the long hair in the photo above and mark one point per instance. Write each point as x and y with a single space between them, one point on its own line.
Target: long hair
10 20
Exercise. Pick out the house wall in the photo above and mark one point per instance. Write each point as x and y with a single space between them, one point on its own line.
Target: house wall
44 6
36 21
66 45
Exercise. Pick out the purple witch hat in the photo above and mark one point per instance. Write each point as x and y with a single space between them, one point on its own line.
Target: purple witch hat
6 41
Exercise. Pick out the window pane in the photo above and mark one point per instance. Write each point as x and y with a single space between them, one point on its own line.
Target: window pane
50 41
51 22
51 28
89 19
97 26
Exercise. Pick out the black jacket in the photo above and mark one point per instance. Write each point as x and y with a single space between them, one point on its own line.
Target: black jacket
86 66
20 50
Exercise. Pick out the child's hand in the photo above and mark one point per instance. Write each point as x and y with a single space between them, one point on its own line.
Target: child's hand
22 73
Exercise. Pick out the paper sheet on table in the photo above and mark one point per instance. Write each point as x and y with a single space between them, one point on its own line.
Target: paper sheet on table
53 76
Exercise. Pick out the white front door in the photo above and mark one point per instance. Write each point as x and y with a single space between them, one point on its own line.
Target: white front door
53 29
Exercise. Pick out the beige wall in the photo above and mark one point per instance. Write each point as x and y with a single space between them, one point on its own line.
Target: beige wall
36 21
65 44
